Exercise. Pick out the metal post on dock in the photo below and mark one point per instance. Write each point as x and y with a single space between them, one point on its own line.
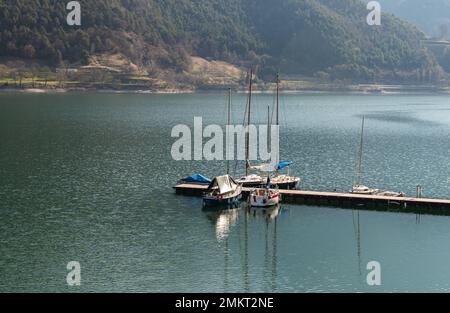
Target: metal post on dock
419 195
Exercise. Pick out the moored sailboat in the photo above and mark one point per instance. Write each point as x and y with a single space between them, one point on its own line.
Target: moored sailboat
265 197
358 187
249 180
282 181
285 181
278 179
223 191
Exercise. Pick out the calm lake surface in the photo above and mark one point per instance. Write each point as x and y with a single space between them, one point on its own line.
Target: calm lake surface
88 178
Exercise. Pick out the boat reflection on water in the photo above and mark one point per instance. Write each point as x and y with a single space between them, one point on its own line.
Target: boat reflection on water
233 228
269 213
225 219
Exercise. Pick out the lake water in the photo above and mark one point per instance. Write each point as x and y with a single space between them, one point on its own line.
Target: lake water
88 178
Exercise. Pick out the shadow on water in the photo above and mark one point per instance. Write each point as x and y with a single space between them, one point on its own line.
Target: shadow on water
241 219
400 117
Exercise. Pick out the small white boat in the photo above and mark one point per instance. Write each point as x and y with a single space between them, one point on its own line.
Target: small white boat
264 198
364 190
251 180
391 194
285 181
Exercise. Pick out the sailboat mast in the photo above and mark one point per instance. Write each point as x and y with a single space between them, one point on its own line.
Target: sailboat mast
278 113
278 99
268 126
228 124
360 154
247 152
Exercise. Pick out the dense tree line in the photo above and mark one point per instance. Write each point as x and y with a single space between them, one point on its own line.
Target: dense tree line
313 37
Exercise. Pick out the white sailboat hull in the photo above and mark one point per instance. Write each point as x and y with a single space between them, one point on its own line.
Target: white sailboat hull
264 199
363 190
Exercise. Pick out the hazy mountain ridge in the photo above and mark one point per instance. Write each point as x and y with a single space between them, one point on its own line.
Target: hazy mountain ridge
430 15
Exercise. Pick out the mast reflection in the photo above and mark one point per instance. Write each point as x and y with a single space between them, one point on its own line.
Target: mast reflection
241 219
357 230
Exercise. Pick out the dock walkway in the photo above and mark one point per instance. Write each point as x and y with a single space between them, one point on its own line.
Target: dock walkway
407 204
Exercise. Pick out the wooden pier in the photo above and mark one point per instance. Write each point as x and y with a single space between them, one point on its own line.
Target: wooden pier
345 200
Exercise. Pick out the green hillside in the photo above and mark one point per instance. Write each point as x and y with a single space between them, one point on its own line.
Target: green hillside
322 38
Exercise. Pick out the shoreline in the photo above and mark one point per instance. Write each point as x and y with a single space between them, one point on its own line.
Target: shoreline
365 89
90 90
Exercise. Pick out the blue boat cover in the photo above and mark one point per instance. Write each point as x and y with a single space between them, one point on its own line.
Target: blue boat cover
197 178
282 165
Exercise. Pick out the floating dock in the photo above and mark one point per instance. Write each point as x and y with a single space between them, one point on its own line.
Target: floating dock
345 200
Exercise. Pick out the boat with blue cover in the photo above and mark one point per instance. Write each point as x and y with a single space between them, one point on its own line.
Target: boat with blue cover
196 179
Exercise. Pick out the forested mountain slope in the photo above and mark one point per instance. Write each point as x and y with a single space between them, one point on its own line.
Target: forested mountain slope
322 38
